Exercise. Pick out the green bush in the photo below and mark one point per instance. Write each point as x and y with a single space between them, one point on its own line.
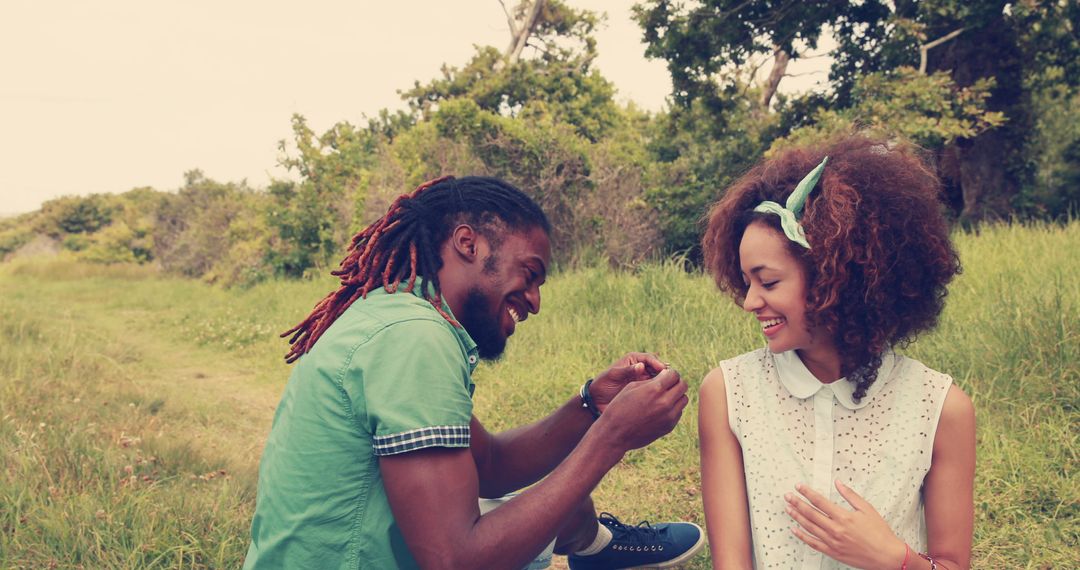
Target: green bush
77 215
118 243
12 239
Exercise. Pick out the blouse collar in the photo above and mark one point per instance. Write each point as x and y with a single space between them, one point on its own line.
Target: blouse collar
801 383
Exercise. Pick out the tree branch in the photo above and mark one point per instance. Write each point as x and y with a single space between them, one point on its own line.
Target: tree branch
928 46
509 20
805 73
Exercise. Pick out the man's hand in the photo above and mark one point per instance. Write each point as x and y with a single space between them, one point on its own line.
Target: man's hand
644 411
633 367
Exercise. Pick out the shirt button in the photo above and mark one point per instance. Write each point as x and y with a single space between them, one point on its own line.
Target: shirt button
472 359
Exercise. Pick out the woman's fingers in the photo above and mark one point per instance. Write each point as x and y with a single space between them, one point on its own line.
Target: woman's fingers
854 499
831 509
810 519
812 541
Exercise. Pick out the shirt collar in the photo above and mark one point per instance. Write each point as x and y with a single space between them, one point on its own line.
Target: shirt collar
463 335
801 383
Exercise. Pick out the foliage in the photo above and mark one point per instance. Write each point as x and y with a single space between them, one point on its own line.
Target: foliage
624 228
76 214
705 44
194 228
997 104
118 243
546 159
103 228
129 239
695 159
15 232
312 218
1054 153
929 110
986 46
557 85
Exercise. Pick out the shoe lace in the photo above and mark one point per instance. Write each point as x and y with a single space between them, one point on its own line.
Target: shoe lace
642 534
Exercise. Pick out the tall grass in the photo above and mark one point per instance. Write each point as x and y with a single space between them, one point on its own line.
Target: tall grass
124 396
88 480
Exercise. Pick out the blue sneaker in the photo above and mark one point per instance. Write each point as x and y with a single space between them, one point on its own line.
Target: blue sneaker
642 546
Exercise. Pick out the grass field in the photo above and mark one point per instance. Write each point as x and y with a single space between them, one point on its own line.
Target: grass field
133 407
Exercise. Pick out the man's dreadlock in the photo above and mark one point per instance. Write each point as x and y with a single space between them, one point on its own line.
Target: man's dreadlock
405 243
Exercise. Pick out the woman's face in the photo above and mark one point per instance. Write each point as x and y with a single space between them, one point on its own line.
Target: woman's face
776 288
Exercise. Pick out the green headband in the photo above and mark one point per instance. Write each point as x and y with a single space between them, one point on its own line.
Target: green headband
789 215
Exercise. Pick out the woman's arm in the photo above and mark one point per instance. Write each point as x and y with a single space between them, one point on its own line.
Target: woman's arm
949 491
723 487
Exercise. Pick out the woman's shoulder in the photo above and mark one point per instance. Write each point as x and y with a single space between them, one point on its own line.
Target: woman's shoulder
752 358
909 369
954 405
730 373
958 410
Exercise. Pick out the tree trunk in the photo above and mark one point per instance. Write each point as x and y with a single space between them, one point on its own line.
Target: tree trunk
779 68
989 164
519 35
985 186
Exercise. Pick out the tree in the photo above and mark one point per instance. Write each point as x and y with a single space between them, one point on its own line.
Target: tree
191 232
706 46
545 158
930 110
975 43
314 217
556 79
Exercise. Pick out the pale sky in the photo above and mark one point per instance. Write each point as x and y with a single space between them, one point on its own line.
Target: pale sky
110 95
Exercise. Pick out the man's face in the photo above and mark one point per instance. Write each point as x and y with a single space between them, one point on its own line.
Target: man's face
506 290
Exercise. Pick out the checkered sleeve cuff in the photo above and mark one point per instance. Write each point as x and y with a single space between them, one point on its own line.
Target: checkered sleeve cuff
438 436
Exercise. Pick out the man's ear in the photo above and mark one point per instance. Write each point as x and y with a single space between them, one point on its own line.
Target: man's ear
465 240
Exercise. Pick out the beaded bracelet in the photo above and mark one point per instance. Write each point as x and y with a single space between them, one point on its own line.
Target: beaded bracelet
930 559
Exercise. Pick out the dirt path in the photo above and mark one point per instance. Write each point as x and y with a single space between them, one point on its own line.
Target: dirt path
220 401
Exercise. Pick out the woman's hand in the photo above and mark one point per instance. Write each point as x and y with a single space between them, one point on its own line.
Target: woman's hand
859 538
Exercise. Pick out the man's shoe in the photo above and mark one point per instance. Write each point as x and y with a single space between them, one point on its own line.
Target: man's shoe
643 546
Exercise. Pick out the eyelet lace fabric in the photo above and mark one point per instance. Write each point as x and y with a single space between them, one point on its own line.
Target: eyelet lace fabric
794 429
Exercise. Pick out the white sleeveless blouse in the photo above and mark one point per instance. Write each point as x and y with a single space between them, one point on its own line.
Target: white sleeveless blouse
794 429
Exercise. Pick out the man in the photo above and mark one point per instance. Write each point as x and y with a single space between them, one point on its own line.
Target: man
375 460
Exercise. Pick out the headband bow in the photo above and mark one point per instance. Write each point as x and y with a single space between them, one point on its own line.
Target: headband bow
792 210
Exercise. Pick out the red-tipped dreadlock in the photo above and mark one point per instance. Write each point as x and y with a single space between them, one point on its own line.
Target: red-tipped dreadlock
405 243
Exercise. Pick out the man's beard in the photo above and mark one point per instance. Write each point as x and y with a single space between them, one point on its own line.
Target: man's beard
483 324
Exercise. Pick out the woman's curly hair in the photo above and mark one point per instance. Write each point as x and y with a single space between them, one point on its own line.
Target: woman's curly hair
880 255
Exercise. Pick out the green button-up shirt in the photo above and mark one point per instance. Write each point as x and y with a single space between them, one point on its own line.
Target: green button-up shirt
391 375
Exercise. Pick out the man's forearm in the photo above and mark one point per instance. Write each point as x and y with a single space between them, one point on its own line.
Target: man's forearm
491 543
432 493
521 456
